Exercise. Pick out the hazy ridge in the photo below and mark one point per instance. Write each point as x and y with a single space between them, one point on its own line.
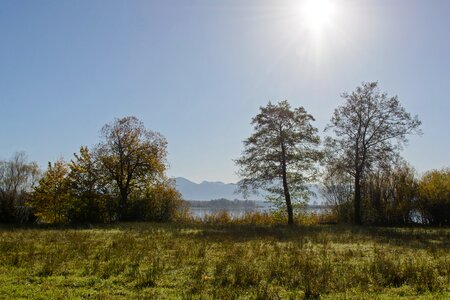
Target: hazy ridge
211 190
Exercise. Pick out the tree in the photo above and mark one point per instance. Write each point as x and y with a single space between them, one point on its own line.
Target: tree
434 195
280 155
17 178
130 155
370 129
87 189
51 198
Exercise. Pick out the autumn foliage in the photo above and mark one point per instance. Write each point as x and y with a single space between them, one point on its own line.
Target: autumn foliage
121 179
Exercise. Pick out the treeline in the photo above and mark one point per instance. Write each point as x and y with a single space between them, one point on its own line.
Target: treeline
121 179
365 179
394 195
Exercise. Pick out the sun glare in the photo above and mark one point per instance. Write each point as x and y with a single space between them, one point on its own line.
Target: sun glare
318 14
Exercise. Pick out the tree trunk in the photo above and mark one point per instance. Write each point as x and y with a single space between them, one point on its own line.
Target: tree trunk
287 195
123 203
357 201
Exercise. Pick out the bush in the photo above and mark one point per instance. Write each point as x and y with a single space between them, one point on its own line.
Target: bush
389 196
160 202
434 197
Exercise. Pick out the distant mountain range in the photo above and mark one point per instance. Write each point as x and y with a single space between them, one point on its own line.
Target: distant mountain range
208 190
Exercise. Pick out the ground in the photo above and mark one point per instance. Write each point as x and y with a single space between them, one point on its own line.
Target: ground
177 261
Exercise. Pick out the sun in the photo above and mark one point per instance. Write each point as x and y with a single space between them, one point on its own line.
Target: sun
318 14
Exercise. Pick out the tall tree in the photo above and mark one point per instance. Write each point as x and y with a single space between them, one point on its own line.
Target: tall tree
370 129
280 155
130 154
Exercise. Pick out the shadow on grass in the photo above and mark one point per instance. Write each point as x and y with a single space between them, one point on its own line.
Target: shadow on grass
410 237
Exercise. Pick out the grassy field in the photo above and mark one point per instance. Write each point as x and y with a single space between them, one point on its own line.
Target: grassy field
166 261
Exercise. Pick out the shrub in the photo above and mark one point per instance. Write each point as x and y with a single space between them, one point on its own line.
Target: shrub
389 196
159 202
434 195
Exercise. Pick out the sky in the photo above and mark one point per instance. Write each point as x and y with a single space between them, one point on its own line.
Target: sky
198 71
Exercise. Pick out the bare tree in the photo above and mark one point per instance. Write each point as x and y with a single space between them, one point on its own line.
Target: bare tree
129 155
370 129
280 155
17 178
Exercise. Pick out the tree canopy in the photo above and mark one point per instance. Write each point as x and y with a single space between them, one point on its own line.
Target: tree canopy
370 129
280 155
130 155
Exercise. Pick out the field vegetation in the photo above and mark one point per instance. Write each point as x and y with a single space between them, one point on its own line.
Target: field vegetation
231 261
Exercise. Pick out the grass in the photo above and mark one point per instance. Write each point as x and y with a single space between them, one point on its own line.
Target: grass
203 261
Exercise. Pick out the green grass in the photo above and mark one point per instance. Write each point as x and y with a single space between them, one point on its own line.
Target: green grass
165 261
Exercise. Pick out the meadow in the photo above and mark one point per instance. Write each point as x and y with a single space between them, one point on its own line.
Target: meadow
231 261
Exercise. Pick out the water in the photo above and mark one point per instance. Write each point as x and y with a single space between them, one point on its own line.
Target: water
236 212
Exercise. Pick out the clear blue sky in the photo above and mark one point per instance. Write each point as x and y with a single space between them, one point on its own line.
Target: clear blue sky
197 71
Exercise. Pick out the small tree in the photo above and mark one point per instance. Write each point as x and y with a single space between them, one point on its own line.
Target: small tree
370 129
280 155
51 198
129 156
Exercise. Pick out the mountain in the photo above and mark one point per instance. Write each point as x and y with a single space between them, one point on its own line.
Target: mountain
208 190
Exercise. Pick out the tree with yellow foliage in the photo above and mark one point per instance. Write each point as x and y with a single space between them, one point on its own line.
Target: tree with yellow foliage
434 195
51 197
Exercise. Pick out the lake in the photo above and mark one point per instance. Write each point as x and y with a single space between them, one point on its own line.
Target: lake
236 212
